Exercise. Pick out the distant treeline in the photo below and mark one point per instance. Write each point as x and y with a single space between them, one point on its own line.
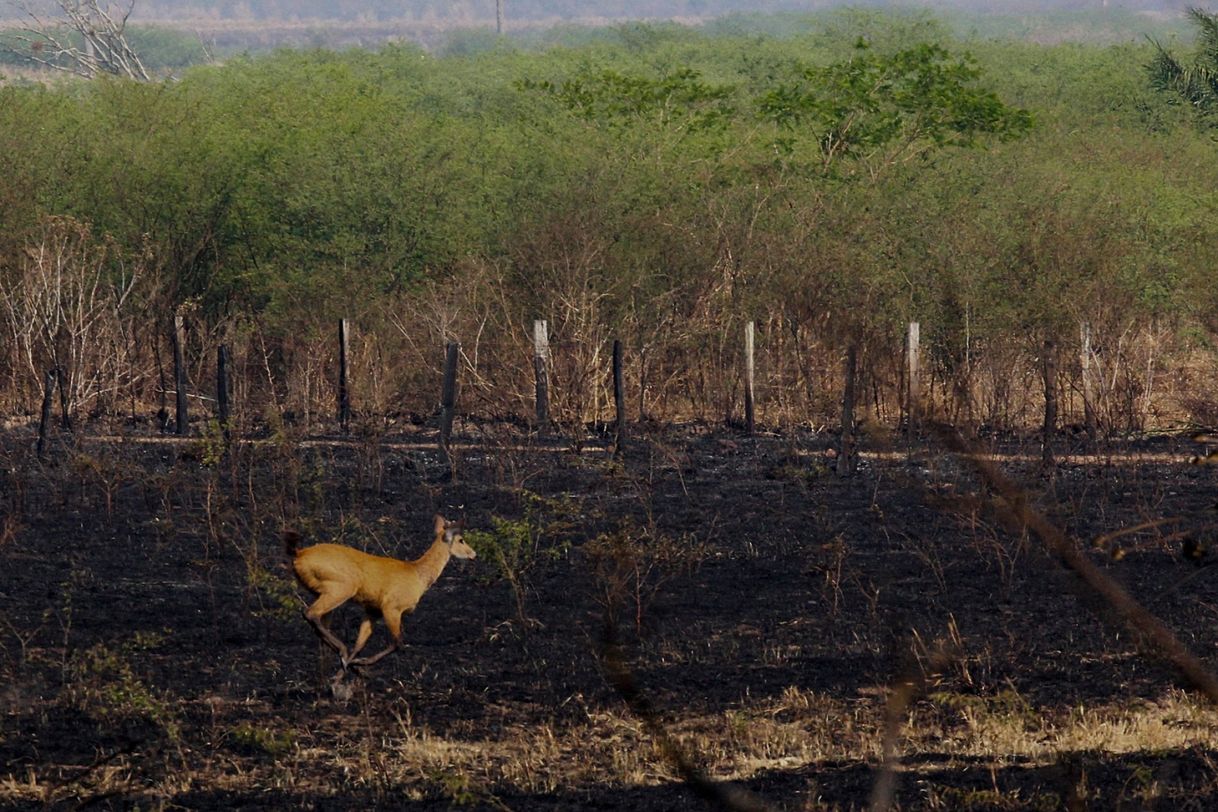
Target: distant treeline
462 12
465 12
186 38
658 185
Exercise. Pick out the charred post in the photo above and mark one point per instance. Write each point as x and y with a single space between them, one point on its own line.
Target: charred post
1049 372
48 400
845 457
448 397
223 409
179 375
619 400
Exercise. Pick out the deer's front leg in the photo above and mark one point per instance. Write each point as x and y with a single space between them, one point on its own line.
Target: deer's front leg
394 623
361 640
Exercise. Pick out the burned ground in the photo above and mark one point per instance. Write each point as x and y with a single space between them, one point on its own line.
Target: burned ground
154 653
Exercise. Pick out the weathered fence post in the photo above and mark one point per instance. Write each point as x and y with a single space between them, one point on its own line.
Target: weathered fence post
749 415
642 380
448 398
162 414
845 458
64 374
1049 371
541 358
913 395
619 400
222 405
344 393
1084 360
65 408
48 400
179 373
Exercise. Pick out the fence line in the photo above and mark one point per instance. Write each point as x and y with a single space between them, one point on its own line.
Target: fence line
871 378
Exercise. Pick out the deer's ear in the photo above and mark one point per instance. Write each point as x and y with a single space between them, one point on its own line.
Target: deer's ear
440 523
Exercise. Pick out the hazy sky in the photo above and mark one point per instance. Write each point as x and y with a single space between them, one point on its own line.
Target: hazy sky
523 10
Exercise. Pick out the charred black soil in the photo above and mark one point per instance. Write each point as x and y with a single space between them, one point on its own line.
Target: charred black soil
153 652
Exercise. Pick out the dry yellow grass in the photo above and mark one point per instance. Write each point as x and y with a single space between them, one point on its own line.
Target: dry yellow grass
797 729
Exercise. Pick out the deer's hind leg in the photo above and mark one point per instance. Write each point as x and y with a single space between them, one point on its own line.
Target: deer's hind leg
316 614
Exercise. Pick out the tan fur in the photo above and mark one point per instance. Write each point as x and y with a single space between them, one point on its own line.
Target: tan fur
385 587
1210 458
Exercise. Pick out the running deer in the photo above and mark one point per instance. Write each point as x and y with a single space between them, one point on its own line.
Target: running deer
385 587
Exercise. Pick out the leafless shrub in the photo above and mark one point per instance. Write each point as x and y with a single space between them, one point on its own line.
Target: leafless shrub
87 37
632 564
68 306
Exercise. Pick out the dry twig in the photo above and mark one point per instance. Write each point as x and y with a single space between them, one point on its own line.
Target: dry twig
728 796
1112 595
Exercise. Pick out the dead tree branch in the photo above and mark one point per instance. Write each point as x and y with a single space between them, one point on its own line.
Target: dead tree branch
724 795
1015 509
86 37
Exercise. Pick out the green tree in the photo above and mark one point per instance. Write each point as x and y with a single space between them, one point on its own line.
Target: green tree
1195 83
886 109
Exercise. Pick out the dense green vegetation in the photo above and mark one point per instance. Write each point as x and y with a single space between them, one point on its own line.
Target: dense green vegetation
657 184
1196 82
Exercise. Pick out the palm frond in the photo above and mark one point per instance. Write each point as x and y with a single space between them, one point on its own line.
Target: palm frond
1207 35
1164 69
1198 86
1195 83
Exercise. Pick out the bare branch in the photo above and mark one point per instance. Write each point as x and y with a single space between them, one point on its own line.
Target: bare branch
1015 508
101 31
725 795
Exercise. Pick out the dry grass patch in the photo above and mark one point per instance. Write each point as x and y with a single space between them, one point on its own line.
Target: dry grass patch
795 729
1005 727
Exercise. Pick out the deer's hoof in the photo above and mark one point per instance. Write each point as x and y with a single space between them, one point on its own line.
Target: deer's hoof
341 691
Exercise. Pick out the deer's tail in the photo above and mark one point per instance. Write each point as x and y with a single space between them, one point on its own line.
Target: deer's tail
291 542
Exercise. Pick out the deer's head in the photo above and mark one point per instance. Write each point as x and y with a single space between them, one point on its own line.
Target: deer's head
452 534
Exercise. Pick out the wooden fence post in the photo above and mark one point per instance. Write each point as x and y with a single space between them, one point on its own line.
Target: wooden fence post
1084 359
913 351
64 380
619 400
179 374
448 397
541 358
65 374
222 404
344 393
48 400
1049 371
642 380
845 457
162 414
749 415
